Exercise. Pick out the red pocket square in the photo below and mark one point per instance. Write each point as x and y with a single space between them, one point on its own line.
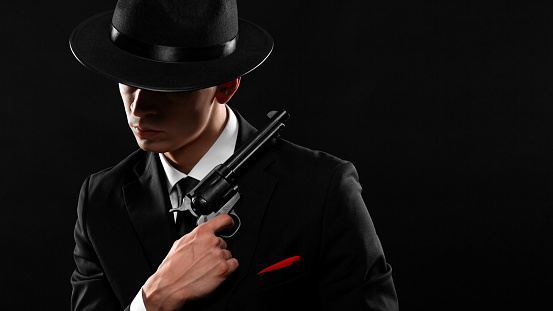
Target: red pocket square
281 264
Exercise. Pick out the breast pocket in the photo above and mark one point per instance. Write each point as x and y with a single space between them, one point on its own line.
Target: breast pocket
288 288
289 274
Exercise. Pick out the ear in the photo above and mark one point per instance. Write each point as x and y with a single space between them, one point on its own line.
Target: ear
226 90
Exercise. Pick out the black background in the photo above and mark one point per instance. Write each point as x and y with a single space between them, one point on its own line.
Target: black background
446 110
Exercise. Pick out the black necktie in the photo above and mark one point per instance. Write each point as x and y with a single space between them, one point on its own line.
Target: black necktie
186 222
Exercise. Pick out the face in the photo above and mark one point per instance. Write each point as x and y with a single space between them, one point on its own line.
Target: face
167 121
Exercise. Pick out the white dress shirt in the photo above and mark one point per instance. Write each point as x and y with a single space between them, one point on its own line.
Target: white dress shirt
219 152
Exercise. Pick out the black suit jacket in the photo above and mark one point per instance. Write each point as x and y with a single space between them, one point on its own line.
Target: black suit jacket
294 202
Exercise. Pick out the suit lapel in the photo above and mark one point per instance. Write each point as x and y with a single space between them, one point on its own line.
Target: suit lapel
256 187
148 204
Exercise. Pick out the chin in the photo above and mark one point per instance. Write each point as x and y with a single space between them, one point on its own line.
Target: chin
151 146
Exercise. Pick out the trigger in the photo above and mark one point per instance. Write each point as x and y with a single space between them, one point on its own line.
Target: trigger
227 209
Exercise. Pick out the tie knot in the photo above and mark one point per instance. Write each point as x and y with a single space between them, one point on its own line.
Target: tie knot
184 186
185 221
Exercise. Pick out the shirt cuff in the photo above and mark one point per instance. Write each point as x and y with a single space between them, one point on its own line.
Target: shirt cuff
137 303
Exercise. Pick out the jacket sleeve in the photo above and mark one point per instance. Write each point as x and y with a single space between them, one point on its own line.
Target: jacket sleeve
91 289
356 276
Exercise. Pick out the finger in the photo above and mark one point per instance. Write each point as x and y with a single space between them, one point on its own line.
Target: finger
219 222
232 265
226 254
222 243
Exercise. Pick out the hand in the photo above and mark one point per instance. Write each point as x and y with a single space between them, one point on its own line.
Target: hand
194 267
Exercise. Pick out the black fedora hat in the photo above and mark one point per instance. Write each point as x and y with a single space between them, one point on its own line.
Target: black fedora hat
171 45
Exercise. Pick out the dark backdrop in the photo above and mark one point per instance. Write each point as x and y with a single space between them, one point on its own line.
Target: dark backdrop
445 109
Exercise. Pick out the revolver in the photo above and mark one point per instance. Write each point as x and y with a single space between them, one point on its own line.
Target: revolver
218 191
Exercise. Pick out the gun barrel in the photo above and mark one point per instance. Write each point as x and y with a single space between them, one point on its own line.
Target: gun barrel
219 185
271 129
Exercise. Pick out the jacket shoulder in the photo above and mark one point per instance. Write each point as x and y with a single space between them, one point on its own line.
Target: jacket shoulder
121 173
299 158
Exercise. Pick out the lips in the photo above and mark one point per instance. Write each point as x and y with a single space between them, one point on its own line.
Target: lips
144 132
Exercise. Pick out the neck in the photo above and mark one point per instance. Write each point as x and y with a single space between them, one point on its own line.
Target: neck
186 157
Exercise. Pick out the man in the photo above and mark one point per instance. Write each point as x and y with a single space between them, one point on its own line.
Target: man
306 240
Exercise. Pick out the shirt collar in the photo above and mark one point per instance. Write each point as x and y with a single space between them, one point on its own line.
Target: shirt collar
219 152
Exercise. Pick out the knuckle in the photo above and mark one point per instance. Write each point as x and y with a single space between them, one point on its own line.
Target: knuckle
212 241
217 253
201 229
222 268
175 245
226 255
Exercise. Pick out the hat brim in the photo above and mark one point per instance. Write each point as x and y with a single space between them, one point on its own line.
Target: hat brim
91 44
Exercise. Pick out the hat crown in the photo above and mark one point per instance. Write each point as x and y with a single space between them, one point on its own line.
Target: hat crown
178 23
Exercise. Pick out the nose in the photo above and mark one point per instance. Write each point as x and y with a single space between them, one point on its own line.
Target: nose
144 103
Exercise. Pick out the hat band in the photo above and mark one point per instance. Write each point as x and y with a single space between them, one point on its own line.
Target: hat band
171 53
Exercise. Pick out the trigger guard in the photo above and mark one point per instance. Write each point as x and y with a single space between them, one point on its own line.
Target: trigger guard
227 209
